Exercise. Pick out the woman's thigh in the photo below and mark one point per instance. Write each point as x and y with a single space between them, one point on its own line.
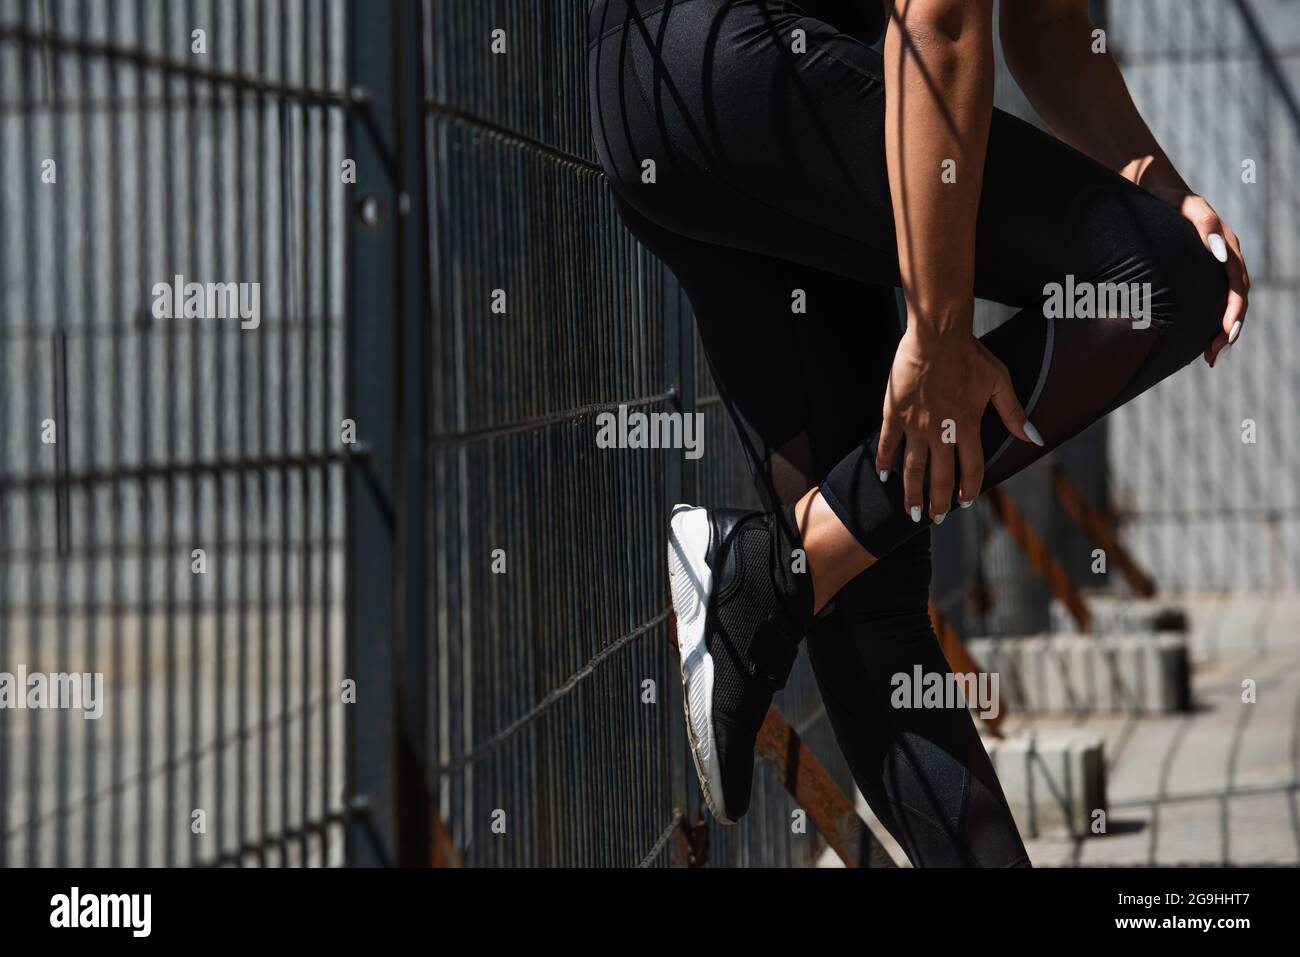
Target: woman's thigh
708 124
761 148
800 355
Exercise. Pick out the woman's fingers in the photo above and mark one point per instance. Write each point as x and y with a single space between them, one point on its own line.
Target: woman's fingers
1011 411
1208 225
941 472
970 454
1224 245
891 433
1234 244
914 476
1217 246
1234 314
1233 322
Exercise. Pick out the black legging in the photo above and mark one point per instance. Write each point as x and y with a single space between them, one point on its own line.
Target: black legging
769 178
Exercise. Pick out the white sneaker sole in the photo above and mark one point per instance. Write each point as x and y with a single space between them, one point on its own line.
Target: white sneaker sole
692 584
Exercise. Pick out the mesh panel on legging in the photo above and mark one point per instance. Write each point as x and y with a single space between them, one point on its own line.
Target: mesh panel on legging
924 771
1068 373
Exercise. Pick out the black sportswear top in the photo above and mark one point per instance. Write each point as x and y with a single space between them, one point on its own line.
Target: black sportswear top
862 19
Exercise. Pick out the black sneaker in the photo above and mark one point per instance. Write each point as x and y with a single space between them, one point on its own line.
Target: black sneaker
741 613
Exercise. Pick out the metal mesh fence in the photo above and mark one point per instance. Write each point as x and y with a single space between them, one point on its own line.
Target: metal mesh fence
1204 506
173 471
541 717
170 484
173 477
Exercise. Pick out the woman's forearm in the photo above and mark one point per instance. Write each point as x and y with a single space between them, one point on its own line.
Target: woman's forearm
1079 93
938 103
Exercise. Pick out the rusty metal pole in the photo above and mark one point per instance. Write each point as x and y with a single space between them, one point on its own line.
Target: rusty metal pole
1040 558
1097 527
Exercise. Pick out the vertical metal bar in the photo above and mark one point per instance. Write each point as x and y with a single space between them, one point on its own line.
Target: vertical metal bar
244 478
219 607
264 241
306 302
441 652
197 333
28 212
329 437
371 338
287 256
90 399
174 264
414 309
59 377
282 324
59 357
149 214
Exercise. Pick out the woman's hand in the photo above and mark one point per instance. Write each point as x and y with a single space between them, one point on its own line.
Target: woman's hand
939 387
1223 244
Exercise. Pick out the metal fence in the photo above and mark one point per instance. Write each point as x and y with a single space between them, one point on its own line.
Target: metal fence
171 488
274 535
358 577
555 718
1203 508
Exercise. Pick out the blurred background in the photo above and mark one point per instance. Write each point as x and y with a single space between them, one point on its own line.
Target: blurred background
327 566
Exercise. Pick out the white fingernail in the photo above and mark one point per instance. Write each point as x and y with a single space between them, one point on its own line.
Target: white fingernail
1033 434
1236 331
884 475
966 504
938 519
1218 247
916 513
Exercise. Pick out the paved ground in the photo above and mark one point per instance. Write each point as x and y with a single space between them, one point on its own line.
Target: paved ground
1218 786
120 788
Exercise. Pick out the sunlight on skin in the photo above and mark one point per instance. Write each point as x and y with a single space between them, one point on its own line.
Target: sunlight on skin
835 557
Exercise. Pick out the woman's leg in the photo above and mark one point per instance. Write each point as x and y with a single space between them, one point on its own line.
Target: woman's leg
802 388
710 125
924 771
761 149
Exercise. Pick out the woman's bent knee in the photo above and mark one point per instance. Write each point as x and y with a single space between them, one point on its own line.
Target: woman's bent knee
1191 294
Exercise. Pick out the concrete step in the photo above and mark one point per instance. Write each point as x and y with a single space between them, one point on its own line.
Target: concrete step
1055 781
1082 674
1121 615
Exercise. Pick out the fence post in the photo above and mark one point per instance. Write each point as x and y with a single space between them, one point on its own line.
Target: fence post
388 307
416 806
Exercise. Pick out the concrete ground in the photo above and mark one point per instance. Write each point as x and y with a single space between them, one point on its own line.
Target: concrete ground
122 789
1216 786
